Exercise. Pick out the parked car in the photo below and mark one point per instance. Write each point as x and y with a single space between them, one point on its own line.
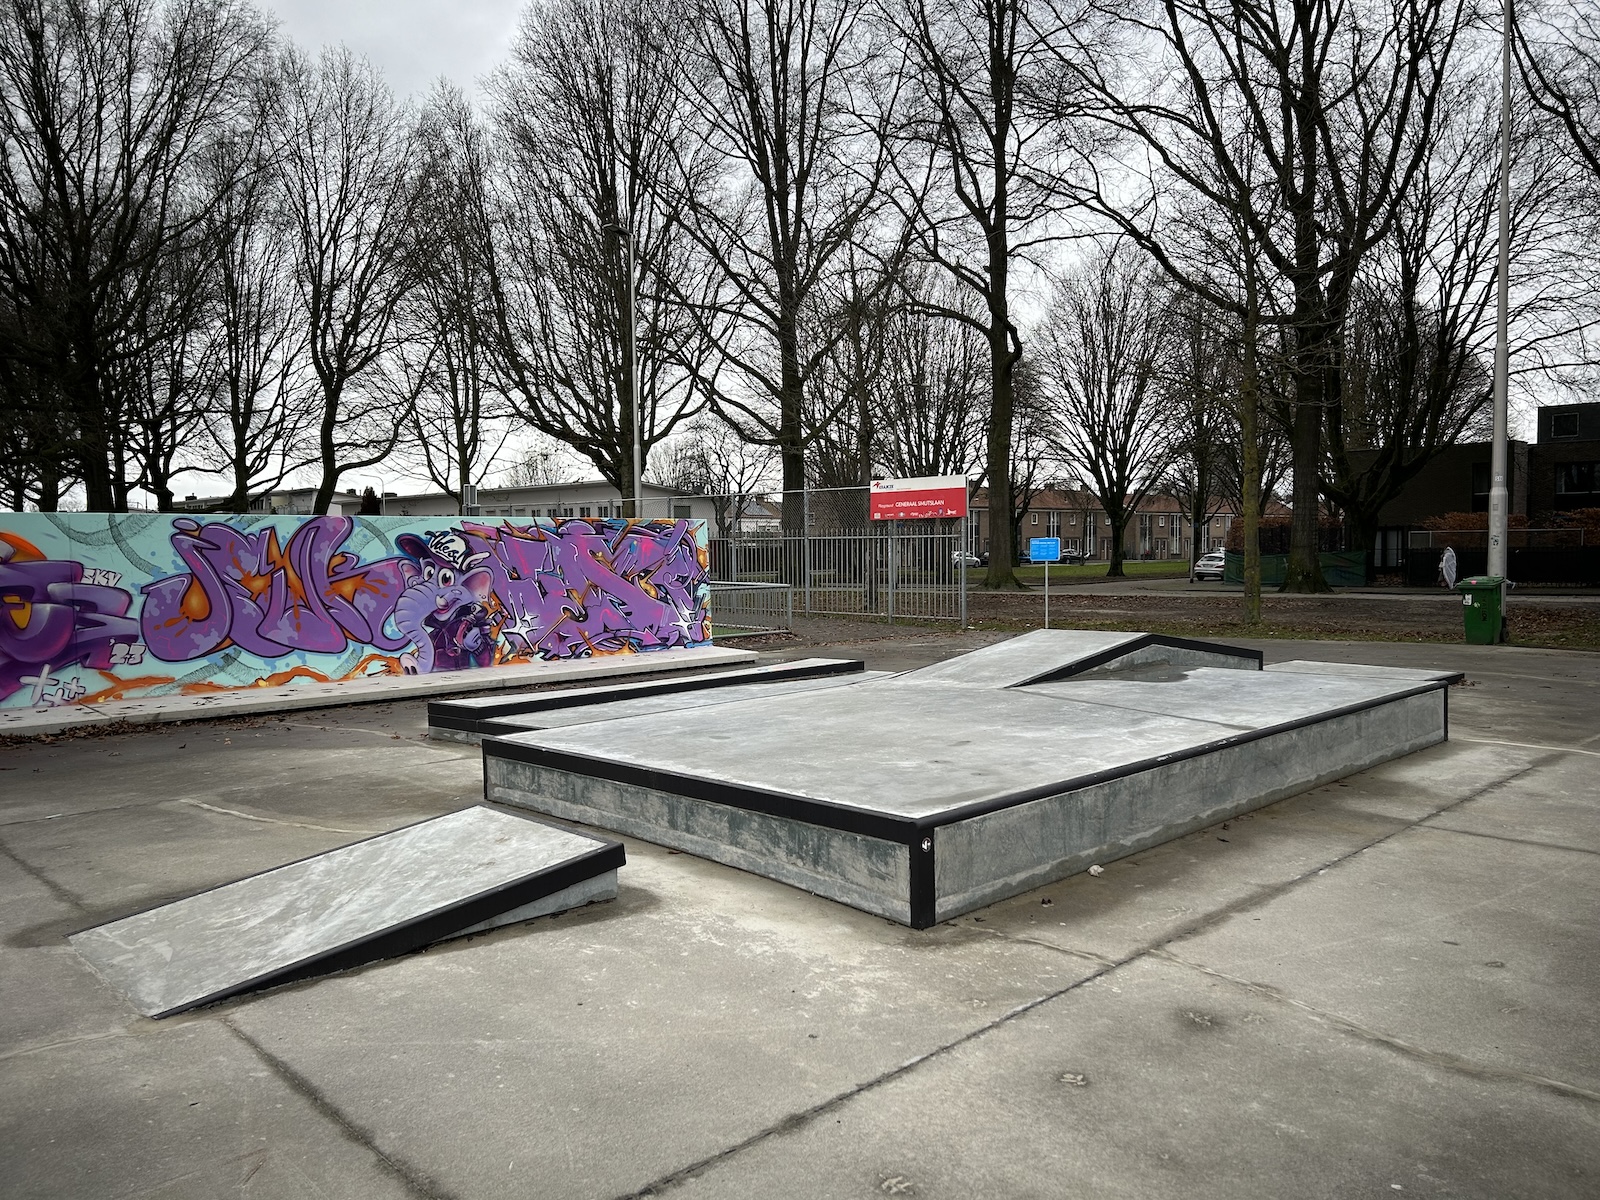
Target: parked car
1209 566
962 558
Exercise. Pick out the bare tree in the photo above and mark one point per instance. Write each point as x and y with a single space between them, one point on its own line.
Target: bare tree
105 107
1105 335
1300 124
1421 329
1558 55
260 403
1198 385
345 166
788 88
538 460
597 165
983 174
459 420
709 458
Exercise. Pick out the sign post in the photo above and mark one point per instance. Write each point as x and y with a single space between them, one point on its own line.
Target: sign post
1047 551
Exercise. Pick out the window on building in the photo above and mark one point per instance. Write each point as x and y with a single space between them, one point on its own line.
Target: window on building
1564 425
585 510
565 512
1161 521
1072 519
1033 518
1052 525
1578 485
1146 534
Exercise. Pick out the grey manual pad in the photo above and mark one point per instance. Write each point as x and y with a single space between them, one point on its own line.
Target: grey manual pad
915 749
588 714
387 894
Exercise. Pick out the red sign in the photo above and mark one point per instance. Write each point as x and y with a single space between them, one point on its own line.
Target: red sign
919 499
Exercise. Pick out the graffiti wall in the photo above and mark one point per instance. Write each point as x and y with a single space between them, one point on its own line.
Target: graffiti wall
97 607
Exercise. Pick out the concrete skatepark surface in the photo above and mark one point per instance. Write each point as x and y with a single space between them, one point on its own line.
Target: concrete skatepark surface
1386 986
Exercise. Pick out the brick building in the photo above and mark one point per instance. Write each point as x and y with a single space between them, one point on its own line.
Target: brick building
1157 530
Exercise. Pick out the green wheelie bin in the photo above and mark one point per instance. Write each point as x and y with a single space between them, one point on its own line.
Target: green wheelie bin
1482 603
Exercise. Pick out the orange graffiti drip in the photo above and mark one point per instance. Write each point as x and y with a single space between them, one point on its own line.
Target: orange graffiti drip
120 688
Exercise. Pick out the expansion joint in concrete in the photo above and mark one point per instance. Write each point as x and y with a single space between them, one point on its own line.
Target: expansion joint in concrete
1434 1058
60 893
1216 916
414 1181
1516 841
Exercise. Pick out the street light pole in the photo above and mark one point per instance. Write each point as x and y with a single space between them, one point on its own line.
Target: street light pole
630 358
1498 492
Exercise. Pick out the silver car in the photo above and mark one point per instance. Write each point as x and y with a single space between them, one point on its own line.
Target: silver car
1209 566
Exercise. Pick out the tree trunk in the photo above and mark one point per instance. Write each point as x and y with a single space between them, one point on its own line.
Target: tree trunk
1119 532
1250 459
1304 571
1002 536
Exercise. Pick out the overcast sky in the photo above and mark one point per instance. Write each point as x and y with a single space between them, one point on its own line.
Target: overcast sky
412 42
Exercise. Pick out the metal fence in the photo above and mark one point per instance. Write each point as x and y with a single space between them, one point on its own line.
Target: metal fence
821 545
748 608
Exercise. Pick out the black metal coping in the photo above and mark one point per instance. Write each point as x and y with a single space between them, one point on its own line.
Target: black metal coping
469 716
420 931
1101 658
919 834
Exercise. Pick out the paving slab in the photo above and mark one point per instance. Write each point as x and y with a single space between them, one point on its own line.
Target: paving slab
188 1113
1477 947
1157 1081
377 898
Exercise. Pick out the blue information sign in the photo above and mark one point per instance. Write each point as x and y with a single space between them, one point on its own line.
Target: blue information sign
1044 549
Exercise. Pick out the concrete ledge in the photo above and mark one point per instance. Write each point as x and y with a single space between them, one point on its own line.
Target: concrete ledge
238 702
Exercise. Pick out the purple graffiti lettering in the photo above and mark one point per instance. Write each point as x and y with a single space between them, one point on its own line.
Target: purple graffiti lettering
244 589
582 588
50 620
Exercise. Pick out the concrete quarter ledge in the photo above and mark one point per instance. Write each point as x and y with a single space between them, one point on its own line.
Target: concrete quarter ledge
377 898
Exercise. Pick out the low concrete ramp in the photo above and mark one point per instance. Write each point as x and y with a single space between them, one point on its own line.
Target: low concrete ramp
374 899
469 719
1051 654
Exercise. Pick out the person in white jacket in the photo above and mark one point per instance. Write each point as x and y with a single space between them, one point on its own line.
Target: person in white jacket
1447 567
